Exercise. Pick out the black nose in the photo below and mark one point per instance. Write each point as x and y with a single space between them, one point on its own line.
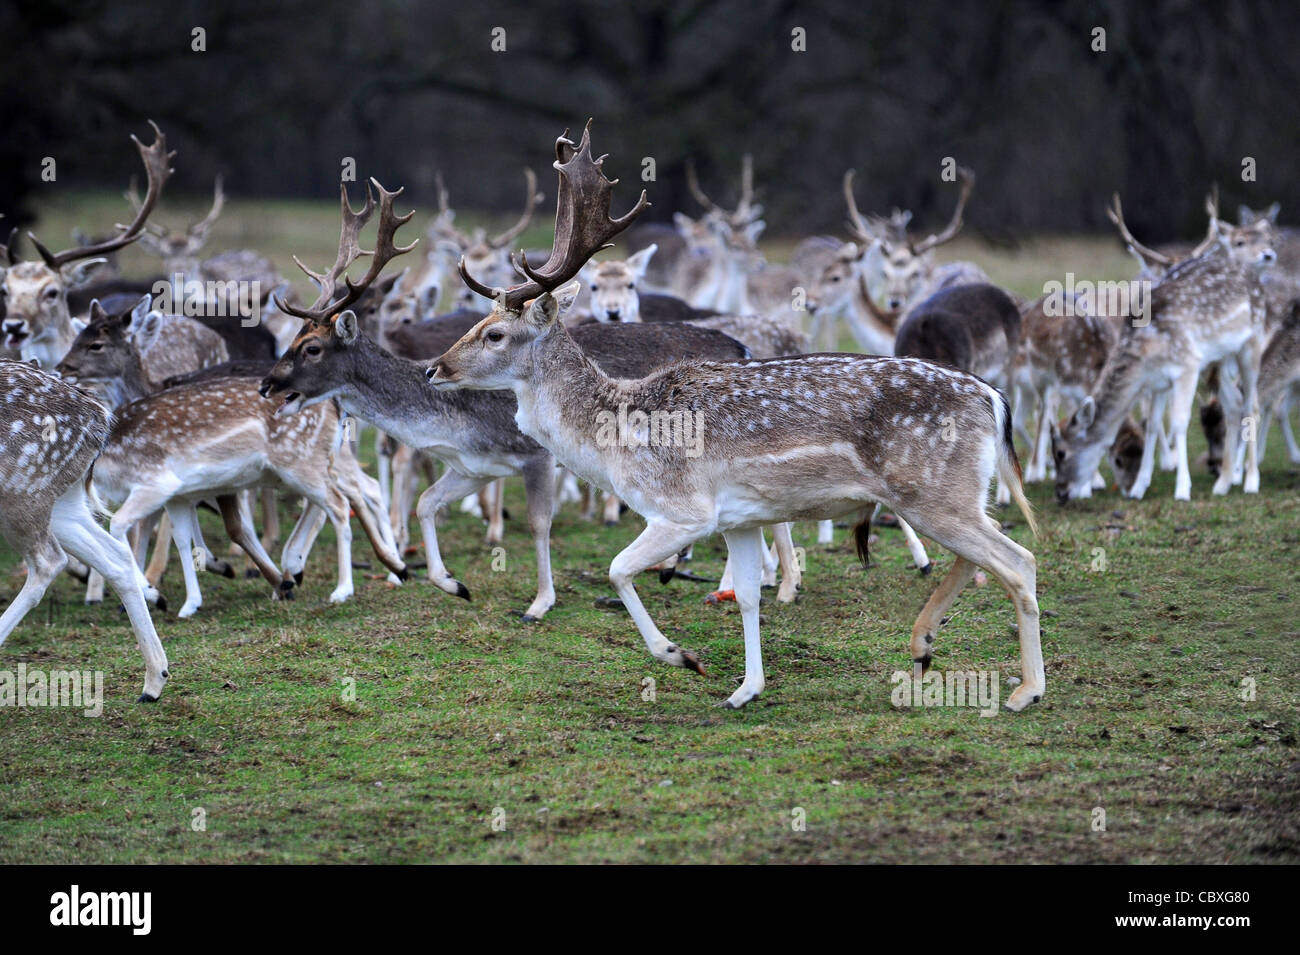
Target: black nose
265 390
613 314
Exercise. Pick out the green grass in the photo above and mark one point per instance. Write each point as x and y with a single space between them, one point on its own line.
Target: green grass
461 710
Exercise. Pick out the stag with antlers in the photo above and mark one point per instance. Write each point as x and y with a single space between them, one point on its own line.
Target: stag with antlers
37 321
860 430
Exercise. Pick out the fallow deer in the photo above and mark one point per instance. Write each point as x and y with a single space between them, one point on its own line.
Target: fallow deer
38 321
1207 309
50 436
861 430
473 433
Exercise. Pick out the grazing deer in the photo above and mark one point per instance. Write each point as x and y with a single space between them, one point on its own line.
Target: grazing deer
50 436
38 322
1207 309
786 439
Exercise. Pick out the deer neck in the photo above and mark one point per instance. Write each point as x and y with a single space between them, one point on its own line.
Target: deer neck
873 328
392 394
119 391
1115 393
560 398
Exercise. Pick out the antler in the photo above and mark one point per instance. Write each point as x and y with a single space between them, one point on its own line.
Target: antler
967 178
745 211
350 250
218 201
859 228
1212 231
9 250
582 224
156 163
532 199
1116 214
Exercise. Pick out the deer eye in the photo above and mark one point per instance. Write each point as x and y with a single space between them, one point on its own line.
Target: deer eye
312 350
494 336
631 285
593 286
51 293
97 346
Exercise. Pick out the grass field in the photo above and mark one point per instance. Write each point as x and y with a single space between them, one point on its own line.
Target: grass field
464 716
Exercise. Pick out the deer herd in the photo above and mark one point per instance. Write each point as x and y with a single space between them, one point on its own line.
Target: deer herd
685 378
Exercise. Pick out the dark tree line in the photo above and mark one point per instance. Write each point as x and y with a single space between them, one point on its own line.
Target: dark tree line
1182 93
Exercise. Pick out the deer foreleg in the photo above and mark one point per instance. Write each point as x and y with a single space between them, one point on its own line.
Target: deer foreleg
539 485
791 575
1156 412
745 553
449 487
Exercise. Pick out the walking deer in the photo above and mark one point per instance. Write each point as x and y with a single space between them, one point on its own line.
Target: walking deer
50 436
786 439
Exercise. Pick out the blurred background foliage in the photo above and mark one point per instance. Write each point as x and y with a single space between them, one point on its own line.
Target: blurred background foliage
1013 89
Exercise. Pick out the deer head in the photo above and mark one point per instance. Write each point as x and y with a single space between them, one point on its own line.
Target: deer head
306 373
488 256
179 248
106 356
894 267
496 353
614 296
37 320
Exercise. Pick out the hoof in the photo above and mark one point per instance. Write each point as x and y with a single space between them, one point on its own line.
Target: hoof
161 603
692 663
249 573
505 513
93 603
146 698
925 571
719 596
920 666
611 523
297 578
462 591
666 574
528 618
404 574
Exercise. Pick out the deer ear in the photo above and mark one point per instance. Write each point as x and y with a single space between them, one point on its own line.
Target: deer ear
76 274
641 261
545 309
146 331
137 315
682 221
567 295
347 328
1086 414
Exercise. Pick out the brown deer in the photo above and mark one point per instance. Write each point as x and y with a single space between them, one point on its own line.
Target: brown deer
786 439
37 321
50 436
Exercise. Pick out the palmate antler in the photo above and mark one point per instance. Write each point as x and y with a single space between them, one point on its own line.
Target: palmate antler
582 225
350 250
157 166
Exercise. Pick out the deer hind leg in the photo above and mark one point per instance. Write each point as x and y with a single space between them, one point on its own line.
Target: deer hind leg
745 551
184 528
659 541
270 520
1230 400
240 528
493 498
381 543
1037 468
336 508
539 484
294 556
140 504
162 547
45 560
449 487
76 530
791 575
384 457
1151 436
1248 434
978 540
825 532
399 499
